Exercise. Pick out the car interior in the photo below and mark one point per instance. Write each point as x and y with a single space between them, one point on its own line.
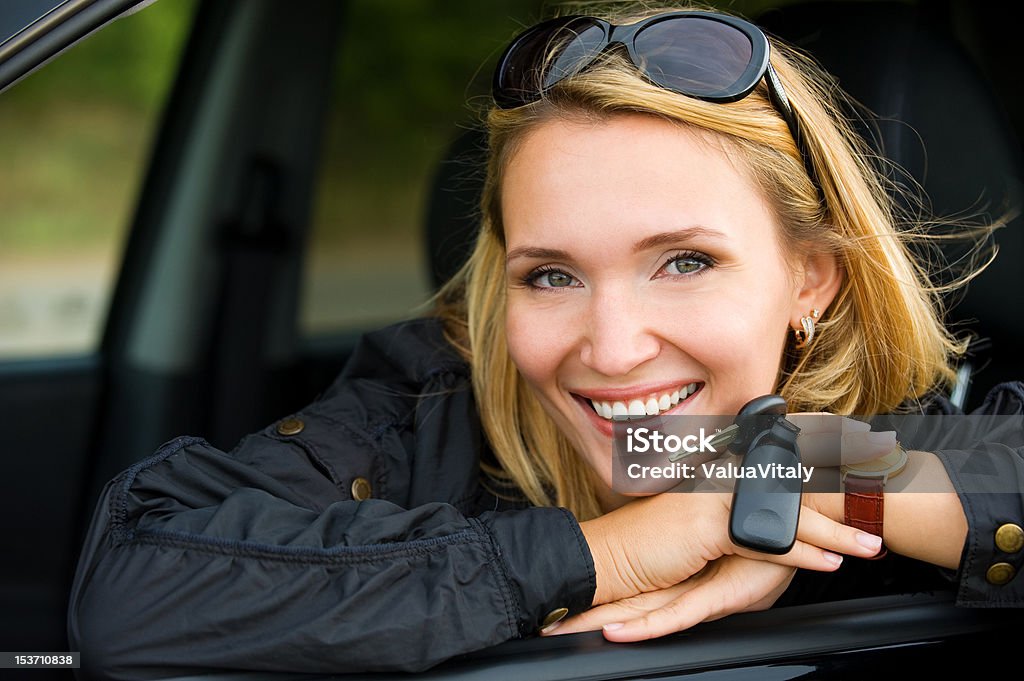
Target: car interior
201 334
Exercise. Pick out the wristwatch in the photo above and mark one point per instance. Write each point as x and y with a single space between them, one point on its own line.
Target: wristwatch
863 484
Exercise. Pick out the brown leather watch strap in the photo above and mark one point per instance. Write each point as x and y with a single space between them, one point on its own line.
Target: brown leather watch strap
864 506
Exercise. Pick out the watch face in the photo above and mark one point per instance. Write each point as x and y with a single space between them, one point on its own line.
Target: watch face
886 466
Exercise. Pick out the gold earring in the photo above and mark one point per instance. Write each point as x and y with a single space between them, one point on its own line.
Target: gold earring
805 335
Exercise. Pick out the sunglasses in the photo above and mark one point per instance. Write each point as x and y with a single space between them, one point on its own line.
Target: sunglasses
708 56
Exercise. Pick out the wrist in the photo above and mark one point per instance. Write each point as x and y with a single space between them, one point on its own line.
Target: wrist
924 516
609 585
829 504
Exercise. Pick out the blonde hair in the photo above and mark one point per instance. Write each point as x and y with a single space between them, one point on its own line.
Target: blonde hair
880 344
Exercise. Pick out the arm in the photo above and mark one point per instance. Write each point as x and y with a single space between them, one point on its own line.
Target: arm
202 560
973 472
199 560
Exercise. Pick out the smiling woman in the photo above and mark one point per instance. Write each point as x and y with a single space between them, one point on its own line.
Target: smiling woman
659 263
674 235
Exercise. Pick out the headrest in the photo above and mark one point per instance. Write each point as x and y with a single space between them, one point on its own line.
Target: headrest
938 120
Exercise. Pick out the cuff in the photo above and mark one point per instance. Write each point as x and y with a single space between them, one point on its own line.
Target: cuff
989 572
546 563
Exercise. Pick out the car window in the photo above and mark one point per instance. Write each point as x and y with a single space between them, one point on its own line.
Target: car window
401 92
75 139
18 14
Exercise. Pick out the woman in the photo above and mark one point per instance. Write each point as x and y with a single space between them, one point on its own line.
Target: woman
453 489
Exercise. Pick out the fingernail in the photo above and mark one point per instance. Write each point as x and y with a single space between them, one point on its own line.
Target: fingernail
869 541
550 628
883 438
833 558
855 426
613 626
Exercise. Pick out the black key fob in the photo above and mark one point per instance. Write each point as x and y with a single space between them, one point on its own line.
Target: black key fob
766 505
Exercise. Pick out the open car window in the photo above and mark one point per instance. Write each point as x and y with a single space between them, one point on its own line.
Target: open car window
205 287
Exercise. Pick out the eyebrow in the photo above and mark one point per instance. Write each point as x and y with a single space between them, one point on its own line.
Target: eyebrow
662 239
532 252
669 238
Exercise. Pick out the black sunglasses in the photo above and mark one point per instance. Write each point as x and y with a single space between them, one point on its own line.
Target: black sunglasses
713 57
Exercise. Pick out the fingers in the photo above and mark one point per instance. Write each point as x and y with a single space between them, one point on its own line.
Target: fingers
734 585
820 531
621 611
832 440
820 541
834 449
802 555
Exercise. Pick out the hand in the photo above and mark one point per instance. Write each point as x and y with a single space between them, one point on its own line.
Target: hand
725 586
658 542
825 441
832 440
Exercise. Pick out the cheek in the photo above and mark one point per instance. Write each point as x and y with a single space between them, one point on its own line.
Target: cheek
537 343
736 337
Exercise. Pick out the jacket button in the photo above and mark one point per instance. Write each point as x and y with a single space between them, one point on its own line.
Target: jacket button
361 489
1009 538
292 426
554 617
1000 574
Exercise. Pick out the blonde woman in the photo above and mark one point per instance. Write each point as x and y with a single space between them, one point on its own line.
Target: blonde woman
675 216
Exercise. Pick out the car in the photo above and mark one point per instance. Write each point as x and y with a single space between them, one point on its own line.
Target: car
290 175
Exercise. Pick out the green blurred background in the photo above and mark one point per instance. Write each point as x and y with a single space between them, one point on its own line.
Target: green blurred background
75 138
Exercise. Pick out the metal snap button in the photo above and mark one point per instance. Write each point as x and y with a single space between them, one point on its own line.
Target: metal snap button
553 617
361 489
1000 573
1010 538
292 426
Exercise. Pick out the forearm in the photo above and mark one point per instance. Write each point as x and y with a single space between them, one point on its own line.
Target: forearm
659 541
193 548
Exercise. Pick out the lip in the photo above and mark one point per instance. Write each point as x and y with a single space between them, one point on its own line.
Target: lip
606 427
633 392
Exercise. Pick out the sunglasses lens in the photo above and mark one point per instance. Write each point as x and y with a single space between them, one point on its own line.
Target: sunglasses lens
700 57
545 55
575 46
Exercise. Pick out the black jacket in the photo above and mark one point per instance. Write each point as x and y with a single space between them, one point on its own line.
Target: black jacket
260 558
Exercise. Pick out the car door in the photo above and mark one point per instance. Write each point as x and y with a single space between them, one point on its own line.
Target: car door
74 142
152 249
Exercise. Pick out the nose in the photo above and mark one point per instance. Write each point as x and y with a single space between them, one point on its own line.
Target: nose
618 333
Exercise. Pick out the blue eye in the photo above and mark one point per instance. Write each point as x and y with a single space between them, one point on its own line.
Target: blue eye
551 279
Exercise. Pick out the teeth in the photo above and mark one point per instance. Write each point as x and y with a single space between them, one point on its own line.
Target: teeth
639 408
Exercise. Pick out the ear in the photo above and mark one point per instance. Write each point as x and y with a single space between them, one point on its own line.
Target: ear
818 285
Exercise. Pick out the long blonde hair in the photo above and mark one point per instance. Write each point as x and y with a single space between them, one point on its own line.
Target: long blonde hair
880 343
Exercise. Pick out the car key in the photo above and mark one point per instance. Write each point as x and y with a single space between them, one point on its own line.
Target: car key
766 508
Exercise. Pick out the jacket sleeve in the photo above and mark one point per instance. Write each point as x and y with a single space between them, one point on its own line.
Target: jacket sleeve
259 559
988 475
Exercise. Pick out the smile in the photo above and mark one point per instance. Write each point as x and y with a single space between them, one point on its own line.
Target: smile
643 406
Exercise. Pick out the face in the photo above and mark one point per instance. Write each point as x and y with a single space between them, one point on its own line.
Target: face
644 271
